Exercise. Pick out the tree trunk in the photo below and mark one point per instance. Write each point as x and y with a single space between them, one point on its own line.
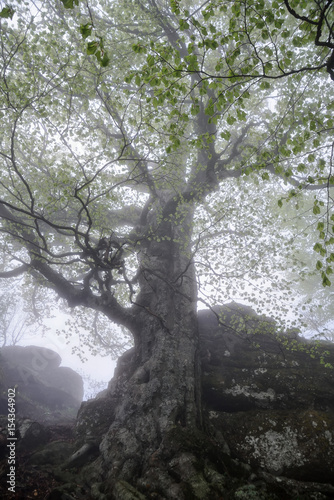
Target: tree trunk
155 392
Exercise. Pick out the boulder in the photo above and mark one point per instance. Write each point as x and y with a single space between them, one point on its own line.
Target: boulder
30 433
65 379
32 358
294 444
44 391
268 394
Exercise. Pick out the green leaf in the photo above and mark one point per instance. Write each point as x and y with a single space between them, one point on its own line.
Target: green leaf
210 109
230 120
92 47
175 7
235 8
211 44
105 60
69 4
150 60
128 78
325 280
7 12
265 34
194 110
184 25
207 14
226 135
137 80
330 258
138 48
85 30
297 41
318 247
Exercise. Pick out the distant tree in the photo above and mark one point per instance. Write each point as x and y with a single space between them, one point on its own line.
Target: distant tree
146 149
13 326
14 317
93 386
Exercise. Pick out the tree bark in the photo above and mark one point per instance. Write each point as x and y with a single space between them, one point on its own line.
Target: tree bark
155 392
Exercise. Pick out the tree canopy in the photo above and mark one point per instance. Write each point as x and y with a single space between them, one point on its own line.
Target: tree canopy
121 113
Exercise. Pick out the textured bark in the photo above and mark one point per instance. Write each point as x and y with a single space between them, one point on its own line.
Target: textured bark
156 388
157 392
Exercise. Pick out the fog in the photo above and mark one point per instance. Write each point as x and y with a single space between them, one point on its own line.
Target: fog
96 371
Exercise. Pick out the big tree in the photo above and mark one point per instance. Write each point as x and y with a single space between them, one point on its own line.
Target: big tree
144 149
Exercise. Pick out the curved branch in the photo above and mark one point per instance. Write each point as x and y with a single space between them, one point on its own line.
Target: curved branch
297 16
15 272
75 296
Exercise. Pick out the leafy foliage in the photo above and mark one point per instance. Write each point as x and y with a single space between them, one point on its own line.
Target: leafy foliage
224 107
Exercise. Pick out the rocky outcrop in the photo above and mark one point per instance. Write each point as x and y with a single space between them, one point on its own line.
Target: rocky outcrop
268 403
45 391
269 395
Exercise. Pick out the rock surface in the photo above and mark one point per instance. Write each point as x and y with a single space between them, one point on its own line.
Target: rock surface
45 391
268 394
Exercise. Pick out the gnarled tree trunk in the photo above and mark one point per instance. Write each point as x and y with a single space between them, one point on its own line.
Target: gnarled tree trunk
155 393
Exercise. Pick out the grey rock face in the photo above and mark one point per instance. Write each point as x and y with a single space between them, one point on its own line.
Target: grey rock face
268 394
44 390
32 358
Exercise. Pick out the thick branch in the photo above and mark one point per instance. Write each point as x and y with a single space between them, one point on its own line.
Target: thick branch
78 296
15 272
